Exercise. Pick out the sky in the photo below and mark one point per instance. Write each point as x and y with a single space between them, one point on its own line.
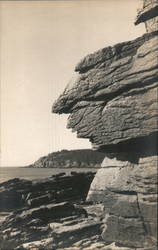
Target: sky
41 42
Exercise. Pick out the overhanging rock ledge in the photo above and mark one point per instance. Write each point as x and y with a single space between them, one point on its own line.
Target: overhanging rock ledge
112 100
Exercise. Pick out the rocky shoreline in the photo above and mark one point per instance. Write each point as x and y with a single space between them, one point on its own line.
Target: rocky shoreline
113 103
50 213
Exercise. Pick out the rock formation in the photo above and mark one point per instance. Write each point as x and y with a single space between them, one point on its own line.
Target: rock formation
17 193
112 100
49 213
148 15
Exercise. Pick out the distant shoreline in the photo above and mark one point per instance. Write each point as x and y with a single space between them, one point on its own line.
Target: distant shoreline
48 168
7 173
63 168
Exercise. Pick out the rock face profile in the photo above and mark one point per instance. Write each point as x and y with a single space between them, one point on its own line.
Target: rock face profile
112 100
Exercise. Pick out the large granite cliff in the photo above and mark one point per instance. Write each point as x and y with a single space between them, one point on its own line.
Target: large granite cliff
112 100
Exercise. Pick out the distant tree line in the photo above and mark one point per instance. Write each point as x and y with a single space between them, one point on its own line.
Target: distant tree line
81 158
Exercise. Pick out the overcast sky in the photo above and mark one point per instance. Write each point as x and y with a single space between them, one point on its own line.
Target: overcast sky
41 42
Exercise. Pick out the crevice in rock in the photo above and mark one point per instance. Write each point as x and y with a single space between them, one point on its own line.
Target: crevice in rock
109 96
124 192
141 216
138 91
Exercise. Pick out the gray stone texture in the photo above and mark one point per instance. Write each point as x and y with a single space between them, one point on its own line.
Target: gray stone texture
112 100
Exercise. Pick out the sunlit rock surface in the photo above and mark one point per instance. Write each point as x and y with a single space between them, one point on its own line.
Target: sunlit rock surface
112 100
129 192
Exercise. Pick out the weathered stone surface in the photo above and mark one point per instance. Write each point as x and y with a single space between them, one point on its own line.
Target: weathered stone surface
115 99
12 193
45 223
17 193
50 212
43 199
148 14
140 177
128 191
126 231
112 100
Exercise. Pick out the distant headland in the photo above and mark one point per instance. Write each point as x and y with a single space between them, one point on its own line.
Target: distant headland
81 158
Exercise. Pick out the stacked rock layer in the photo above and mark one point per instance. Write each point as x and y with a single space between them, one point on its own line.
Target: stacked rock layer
112 100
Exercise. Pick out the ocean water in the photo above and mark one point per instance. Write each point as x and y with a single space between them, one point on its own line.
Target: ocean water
7 173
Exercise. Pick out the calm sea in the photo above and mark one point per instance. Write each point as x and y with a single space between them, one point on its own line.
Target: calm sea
7 173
